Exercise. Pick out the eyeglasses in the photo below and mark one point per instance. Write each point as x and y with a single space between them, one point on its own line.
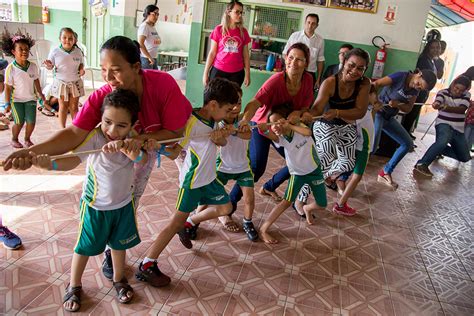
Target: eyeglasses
299 60
354 66
238 12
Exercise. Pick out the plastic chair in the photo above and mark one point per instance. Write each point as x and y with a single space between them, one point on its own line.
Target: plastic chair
86 65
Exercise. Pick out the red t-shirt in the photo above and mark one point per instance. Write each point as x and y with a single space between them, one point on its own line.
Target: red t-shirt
163 106
274 92
230 49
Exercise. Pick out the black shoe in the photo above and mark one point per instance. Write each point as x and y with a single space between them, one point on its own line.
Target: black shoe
250 230
152 275
412 136
193 232
107 267
185 237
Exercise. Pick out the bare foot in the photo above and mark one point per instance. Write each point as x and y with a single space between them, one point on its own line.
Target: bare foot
267 238
229 224
309 215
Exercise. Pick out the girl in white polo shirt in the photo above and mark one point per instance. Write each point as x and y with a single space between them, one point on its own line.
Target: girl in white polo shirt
21 81
67 60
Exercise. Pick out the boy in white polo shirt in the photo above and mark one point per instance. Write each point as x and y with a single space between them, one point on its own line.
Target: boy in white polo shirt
303 163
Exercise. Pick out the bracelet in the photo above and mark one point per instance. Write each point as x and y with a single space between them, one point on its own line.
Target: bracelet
54 165
140 157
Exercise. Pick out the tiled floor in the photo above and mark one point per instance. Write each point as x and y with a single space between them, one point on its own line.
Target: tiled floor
407 252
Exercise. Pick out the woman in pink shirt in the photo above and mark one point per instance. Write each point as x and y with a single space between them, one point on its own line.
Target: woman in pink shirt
164 111
229 55
292 87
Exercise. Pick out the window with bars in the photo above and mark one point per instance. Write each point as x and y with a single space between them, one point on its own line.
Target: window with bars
271 24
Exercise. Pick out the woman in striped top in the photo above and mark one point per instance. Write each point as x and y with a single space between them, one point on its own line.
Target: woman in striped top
452 104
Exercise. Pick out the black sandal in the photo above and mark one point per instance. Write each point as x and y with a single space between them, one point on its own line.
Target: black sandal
122 289
73 294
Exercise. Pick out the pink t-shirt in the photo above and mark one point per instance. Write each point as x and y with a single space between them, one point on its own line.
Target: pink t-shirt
163 106
274 92
230 56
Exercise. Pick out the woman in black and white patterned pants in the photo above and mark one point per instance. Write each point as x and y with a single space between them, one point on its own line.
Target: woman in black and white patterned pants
346 95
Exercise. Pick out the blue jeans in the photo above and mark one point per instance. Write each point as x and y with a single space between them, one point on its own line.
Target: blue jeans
445 135
146 63
259 149
395 131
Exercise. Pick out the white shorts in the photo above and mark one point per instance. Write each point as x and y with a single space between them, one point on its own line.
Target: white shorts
63 89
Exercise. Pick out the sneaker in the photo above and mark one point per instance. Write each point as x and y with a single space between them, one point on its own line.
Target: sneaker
250 230
9 239
107 267
193 232
152 275
345 210
423 169
185 237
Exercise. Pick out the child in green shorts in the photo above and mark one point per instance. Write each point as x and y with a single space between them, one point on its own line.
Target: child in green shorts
347 182
21 81
107 205
233 163
303 163
197 176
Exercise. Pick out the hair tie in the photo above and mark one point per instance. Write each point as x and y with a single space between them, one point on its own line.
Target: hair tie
16 38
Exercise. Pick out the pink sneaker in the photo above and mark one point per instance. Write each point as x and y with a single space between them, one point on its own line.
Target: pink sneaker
345 210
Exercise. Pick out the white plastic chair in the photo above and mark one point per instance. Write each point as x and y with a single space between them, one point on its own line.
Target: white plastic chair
86 65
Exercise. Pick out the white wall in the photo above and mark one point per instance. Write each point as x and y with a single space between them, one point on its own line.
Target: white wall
175 12
36 30
71 5
359 27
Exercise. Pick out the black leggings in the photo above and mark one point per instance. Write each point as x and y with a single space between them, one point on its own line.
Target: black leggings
237 77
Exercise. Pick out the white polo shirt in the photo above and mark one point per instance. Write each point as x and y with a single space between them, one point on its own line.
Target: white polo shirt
109 177
315 44
22 80
199 166
300 153
234 157
151 39
66 64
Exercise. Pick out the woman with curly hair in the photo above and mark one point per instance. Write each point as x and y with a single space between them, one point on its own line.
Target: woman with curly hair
21 81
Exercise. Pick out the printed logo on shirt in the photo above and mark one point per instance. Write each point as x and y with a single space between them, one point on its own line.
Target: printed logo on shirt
219 197
77 59
231 44
300 145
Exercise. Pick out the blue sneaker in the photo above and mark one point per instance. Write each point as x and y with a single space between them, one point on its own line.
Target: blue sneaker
9 239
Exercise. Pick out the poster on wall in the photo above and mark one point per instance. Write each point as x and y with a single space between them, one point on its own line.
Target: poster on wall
390 16
321 3
368 6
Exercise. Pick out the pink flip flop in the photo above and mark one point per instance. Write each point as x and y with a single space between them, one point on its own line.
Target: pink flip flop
16 144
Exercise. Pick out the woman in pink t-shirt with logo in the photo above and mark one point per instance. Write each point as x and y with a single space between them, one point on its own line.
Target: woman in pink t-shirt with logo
229 55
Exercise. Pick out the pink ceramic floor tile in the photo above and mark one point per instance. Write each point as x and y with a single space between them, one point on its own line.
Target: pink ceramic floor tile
415 305
19 286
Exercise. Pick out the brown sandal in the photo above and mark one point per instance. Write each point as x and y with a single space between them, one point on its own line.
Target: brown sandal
123 288
73 294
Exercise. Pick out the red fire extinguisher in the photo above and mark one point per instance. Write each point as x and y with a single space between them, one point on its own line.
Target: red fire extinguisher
45 15
380 56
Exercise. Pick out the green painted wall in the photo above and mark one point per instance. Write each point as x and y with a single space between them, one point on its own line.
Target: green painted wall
59 19
397 60
129 28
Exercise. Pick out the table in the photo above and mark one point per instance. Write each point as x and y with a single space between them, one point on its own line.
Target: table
181 55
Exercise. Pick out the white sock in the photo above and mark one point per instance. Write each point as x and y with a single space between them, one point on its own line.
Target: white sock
190 221
146 260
